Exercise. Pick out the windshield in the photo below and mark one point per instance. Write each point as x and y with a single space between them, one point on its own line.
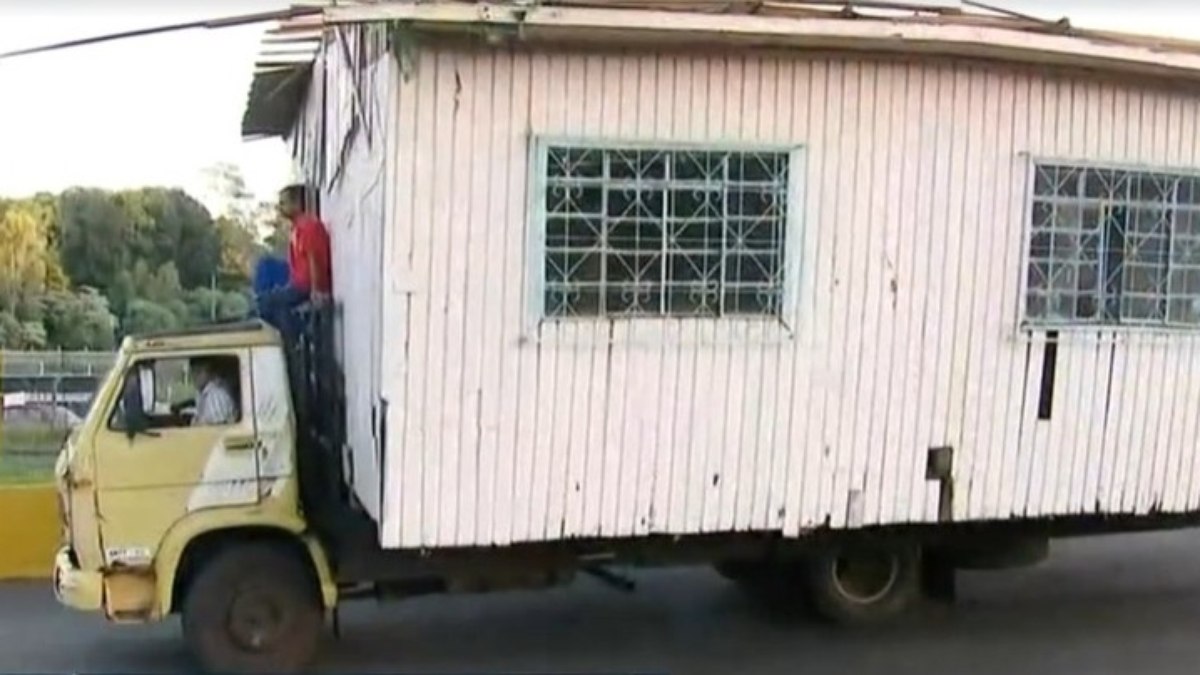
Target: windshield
112 369
93 405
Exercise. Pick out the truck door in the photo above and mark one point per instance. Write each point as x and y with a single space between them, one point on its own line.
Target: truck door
272 420
149 480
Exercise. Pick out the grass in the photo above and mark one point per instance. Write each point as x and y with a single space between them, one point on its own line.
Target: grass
31 438
21 468
27 453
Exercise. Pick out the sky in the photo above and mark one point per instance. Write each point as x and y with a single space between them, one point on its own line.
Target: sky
154 110
160 110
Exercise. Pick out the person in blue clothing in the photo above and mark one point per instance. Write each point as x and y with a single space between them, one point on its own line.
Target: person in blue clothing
270 274
271 280
308 276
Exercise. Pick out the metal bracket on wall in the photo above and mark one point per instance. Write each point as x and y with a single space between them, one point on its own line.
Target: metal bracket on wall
939 466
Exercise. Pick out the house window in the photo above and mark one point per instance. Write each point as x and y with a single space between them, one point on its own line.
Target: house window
1114 246
633 231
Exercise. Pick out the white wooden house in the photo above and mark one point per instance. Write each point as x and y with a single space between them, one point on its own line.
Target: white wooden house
617 268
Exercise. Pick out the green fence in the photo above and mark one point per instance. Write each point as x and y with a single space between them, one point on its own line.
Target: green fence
45 395
15 364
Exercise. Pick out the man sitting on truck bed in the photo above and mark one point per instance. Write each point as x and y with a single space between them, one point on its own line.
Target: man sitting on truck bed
309 277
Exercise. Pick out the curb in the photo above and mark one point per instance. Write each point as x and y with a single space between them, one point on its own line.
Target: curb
29 530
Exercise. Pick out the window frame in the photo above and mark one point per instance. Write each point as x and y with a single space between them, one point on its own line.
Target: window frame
243 364
1028 325
786 319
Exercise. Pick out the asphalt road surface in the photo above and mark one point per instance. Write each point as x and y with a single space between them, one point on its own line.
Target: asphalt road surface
1123 604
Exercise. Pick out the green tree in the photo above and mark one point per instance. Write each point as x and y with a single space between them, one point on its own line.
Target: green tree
162 285
145 316
247 228
33 335
239 250
203 305
233 306
197 252
79 320
101 234
171 226
28 265
94 237
276 241
10 331
71 264
122 292
45 207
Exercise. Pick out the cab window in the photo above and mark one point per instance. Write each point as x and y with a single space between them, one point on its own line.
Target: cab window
203 390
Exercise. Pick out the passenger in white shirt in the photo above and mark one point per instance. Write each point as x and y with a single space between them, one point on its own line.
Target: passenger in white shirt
214 404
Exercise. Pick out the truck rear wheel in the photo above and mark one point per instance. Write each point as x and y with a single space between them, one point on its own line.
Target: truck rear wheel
253 608
857 583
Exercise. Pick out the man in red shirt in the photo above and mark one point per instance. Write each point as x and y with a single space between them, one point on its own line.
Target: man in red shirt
308 248
310 276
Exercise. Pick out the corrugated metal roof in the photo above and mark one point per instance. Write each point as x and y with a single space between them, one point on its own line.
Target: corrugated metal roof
965 28
281 75
964 13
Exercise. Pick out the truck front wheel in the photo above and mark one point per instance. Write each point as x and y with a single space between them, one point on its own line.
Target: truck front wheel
253 608
863 582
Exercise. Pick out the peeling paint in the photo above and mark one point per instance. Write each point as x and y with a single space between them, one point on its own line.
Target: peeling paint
509 428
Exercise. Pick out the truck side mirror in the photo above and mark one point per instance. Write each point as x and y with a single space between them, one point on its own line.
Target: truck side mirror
146 382
135 420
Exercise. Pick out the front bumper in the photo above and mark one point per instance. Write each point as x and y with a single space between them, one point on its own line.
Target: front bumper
76 588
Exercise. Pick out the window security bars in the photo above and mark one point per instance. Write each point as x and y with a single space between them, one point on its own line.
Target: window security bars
1112 246
663 232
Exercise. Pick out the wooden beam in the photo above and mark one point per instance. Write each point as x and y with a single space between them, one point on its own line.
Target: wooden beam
223 22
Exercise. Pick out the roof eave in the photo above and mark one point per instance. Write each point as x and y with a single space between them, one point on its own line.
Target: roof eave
1016 41
276 96
282 73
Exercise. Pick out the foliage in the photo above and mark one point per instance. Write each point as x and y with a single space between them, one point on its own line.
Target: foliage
28 265
233 306
239 249
205 305
277 241
32 335
82 268
248 228
147 316
103 234
78 320
94 237
17 334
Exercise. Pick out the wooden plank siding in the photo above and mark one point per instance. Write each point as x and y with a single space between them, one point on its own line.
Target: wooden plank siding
909 211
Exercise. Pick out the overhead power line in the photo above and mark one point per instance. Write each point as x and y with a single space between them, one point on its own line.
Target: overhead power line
224 22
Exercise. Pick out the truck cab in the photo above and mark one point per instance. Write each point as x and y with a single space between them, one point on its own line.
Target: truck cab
162 515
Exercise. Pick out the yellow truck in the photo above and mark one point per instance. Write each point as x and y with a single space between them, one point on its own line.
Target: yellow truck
161 516
248 531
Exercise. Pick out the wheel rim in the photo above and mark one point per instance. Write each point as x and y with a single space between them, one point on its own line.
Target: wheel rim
256 620
865 577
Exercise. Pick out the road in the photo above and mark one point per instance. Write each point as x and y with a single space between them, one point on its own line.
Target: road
1127 604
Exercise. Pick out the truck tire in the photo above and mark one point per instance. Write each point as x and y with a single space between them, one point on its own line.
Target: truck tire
253 608
858 583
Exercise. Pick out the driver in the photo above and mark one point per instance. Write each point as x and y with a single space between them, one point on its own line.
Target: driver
214 404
